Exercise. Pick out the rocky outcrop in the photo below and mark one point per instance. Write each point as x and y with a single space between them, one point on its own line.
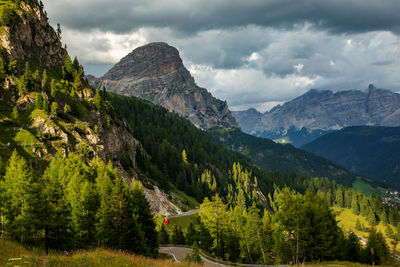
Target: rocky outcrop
86 129
155 72
30 37
324 111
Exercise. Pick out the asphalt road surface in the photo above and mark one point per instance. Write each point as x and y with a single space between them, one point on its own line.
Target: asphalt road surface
179 254
187 213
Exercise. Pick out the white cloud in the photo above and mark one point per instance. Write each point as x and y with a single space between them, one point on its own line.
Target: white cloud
102 47
298 67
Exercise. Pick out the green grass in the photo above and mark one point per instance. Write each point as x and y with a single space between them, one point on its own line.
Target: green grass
183 222
183 201
347 220
368 189
13 254
340 264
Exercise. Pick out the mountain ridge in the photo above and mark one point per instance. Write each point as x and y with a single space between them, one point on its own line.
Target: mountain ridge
320 111
155 72
367 150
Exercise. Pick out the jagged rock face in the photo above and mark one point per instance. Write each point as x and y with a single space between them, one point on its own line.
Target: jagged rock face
32 38
155 72
325 111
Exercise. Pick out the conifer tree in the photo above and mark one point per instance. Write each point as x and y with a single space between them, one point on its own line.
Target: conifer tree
354 205
45 82
129 235
67 109
97 100
177 235
144 218
376 250
164 236
15 114
49 211
16 183
215 218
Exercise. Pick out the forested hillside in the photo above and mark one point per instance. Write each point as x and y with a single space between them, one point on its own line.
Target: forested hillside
179 154
75 164
367 150
56 190
285 158
296 228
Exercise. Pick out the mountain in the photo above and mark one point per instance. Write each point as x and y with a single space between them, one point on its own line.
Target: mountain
319 112
371 151
27 35
48 112
46 106
155 72
284 158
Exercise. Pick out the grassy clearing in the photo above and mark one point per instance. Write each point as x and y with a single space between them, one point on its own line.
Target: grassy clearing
13 254
183 222
339 264
368 189
183 201
347 220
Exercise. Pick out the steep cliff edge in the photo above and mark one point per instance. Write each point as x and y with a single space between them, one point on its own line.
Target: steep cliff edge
27 35
155 72
46 106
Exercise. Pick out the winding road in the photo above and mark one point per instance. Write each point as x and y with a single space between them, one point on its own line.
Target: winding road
179 255
183 214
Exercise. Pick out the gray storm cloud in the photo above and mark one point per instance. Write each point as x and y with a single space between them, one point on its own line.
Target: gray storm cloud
190 16
251 53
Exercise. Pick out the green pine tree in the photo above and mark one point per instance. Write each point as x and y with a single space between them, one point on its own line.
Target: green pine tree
16 183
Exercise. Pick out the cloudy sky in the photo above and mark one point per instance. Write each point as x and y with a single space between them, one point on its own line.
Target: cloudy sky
253 53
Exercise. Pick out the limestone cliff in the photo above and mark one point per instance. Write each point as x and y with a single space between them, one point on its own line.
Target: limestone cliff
155 72
38 133
30 37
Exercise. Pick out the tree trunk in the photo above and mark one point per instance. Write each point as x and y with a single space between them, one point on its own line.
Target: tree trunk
248 251
261 247
2 226
297 246
46 239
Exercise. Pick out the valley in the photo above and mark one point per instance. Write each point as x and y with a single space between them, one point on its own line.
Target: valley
107 171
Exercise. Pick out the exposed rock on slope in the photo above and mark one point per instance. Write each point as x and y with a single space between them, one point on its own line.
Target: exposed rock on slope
155 72
318 112
85 129
32 38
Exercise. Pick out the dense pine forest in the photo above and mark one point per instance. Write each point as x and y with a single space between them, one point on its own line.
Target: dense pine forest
74 163
295 228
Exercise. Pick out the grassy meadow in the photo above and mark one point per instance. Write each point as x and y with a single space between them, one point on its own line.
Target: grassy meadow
13 254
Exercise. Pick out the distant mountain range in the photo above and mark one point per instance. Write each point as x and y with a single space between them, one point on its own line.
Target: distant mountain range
316 113
371 151
155 72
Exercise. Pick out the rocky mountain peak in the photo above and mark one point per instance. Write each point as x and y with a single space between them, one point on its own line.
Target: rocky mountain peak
27 35
155 72
321 111
151 60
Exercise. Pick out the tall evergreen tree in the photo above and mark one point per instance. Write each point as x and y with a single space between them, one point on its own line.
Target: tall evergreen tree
145 218
16 184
